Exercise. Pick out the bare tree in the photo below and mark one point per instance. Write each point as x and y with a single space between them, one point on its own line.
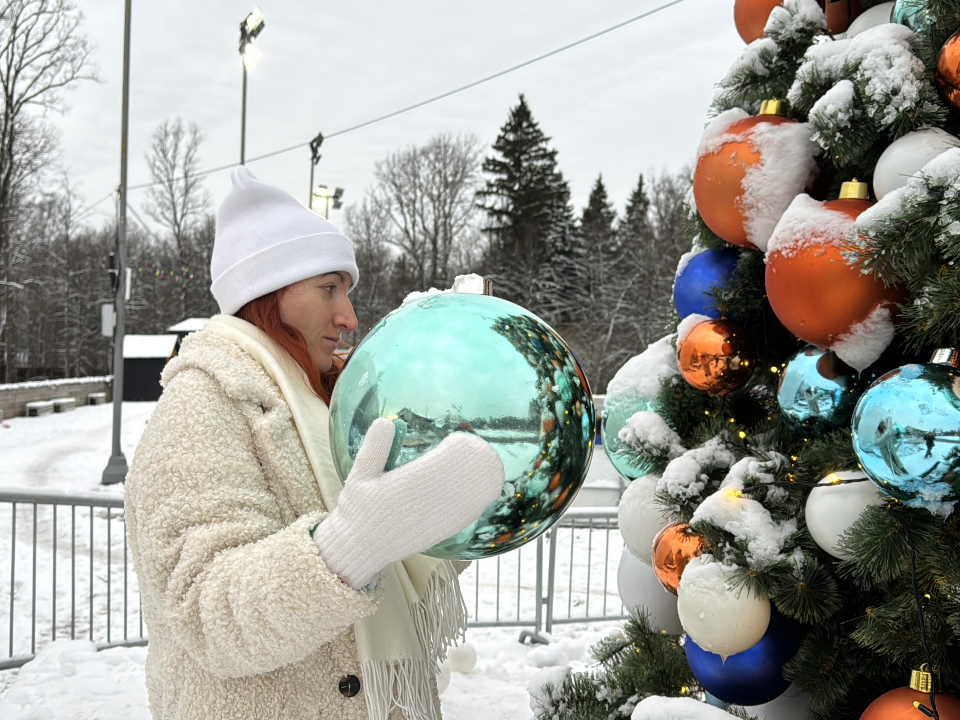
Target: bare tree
178 203
41 52
368 226
428 193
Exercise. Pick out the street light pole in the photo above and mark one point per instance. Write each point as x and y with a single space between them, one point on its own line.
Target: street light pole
251 26
314 159
116 470
243 116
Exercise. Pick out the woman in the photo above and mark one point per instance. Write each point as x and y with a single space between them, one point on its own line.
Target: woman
269 591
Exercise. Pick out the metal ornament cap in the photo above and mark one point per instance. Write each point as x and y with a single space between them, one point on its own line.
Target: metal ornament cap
926 680
854 190
773 107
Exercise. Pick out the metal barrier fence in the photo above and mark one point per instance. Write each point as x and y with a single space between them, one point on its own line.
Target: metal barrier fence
70 575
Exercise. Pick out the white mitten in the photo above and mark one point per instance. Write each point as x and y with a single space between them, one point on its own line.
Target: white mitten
382 517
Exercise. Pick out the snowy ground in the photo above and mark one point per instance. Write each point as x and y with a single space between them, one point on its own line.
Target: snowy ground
69 679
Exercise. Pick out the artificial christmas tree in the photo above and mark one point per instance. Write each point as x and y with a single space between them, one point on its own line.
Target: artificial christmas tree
812 572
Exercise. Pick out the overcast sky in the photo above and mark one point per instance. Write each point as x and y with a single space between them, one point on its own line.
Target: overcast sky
631 101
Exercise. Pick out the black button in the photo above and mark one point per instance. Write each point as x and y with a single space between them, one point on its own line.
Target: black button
350 686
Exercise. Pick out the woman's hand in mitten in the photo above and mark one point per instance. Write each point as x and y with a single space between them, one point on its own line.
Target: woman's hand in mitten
382 517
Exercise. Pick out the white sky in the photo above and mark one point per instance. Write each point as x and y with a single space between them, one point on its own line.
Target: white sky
632 101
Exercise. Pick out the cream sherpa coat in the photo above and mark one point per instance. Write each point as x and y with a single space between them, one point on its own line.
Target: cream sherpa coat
245 620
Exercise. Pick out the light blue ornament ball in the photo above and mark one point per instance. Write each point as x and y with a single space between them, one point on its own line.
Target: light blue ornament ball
817 392
455 362
913 13
617 409
906 432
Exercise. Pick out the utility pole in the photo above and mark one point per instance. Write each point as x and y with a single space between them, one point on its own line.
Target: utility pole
116 470
251 26
314 159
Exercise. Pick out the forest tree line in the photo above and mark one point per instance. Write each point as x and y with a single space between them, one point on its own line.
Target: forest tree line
448 207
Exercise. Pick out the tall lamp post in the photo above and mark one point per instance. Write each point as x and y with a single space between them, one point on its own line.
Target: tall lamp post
314 159
116 470
251 26
322 192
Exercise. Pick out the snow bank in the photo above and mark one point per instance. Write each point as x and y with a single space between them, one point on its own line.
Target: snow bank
34 384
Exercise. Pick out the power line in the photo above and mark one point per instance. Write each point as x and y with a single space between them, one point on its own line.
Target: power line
447 94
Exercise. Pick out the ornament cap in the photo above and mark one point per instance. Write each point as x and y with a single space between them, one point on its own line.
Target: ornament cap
854 190
946 356
773 107
925 680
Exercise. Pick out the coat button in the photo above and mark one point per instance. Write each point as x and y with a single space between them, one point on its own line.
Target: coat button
349 686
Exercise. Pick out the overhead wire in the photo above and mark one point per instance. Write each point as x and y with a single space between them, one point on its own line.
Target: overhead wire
433 99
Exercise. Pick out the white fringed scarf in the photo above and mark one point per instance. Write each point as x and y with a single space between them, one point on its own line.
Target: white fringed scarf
422 612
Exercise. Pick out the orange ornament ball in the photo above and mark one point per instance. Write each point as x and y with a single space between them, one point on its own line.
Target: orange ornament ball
718 180
750 17
715 357
948 71
674 547
898 705
814 290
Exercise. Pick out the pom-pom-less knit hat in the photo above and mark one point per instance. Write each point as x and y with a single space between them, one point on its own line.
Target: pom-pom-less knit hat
266 240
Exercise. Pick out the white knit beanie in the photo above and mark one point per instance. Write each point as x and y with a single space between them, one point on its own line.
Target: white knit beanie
266 240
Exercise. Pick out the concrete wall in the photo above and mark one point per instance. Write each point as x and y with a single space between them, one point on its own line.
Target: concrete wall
14 397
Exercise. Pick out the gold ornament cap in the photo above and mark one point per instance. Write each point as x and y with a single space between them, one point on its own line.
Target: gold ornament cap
773 107
925 680
854 190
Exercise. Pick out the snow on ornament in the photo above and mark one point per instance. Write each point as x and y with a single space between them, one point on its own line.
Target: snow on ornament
719 618
640 518
877 15
749 169
905 433
905 157
656 707
544 689
819 294
634 389
836 505
641 591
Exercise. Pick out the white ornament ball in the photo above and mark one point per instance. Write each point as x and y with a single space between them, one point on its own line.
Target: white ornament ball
877 15
639 587
640 518
833 508
794 704
907 156
462 658
719 618
443 678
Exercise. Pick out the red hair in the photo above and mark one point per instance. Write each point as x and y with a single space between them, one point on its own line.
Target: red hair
264 312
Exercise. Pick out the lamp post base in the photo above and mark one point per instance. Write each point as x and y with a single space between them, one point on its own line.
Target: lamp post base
115 472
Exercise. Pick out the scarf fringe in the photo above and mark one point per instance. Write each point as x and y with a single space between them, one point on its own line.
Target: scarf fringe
440 618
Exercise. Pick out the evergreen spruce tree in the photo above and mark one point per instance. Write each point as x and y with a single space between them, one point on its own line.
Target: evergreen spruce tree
533 244
866 621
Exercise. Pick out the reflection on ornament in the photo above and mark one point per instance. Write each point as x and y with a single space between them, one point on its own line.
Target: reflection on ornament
841 14
913 13
817 392
815 291
615 416
905 157
640 518
471 363
877 15
733 163
715 357
906 432
948 71
750 17
902 702
673 548
706 271
751 677
639 589
835 506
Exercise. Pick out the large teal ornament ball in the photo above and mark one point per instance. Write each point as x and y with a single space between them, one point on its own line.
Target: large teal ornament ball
817 392
915 14
455 362
906 432
617 409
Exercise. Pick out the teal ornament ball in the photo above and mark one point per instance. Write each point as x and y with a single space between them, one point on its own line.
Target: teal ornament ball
915 14
817 392
457 362
616 411
906 432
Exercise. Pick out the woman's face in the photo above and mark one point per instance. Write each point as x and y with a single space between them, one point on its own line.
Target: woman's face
319 308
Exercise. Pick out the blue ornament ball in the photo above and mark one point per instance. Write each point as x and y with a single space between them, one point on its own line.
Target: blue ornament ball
704 270
751 677
817 392
457 362
915 14
906 432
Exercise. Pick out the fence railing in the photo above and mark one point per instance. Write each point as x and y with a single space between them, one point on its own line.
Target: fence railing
70 575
